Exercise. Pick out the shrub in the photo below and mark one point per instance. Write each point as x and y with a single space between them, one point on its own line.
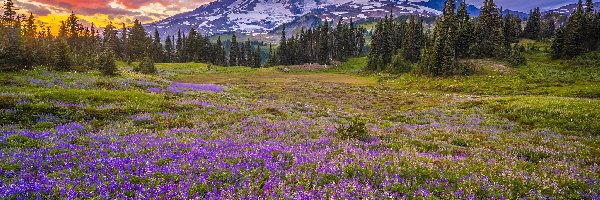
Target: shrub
591 59
354 129
516 57
399 64
62 59
146 66
106 63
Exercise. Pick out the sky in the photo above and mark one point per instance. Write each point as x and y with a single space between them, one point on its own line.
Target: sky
101 12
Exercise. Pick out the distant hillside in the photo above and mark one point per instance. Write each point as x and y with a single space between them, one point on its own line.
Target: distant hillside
261 17
568 9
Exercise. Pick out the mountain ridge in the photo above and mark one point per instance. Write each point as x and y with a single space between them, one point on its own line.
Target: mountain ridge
254 17
261 17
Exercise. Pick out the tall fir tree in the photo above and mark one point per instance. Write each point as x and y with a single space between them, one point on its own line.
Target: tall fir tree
323 57
9 12
574 35
440 56
283 50
179 46
138 41
234 51
548 27
488 40
157 47
557 47
512 29
414 40
169 49
464 36
533 26
220 54
257 61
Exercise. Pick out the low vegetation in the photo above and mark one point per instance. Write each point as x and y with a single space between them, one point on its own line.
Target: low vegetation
240 132
342 130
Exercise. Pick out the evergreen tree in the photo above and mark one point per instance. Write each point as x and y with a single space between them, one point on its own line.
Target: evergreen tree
465 31
488 41
106 62
533 27
234 51
440 57
220 54
414 40
574 35
589 7
9 12
589 26
157 47
61 59
516 57
596 34
12 56
137 43
146 66
179 46
548 27
558 44
282 51
257 61
169 49
323 57
123 46
512 29
270 57
192 47
110 39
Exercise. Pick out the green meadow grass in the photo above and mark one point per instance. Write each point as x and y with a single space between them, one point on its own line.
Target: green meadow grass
515 132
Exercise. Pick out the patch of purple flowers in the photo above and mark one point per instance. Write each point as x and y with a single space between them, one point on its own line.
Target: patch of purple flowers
177 87
154 89
41 83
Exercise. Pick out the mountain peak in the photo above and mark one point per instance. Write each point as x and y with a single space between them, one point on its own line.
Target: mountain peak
263 16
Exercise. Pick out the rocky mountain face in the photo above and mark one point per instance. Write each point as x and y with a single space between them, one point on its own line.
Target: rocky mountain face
569 9
262 16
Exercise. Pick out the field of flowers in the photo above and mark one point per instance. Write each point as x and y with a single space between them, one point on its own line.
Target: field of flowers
302 136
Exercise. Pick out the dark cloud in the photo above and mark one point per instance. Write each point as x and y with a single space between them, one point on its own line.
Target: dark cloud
108 11
143 18
91 7
35 9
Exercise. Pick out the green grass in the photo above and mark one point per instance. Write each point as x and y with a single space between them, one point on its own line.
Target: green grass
352 65
567 115
84 104
555 94
541 77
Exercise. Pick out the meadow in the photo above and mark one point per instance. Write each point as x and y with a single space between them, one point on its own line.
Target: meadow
201 131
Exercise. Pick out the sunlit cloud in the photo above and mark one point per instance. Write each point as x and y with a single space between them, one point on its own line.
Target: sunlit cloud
52 12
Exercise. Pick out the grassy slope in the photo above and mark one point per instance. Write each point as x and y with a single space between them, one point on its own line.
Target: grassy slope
544 97
545 93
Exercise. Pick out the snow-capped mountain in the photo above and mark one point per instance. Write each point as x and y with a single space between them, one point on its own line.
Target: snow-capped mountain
263 16
569 9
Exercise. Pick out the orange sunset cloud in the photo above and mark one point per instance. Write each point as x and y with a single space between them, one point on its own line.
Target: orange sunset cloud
52 12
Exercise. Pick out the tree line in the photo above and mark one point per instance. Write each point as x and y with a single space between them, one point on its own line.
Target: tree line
24 44
580 35
319 45
398 45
